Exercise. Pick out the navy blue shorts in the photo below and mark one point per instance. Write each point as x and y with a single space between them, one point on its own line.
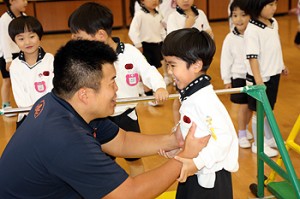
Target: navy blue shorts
271 91
4 72
238 98
192 190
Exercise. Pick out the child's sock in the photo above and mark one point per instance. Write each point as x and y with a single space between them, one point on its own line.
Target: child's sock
242 133
254 128
267 129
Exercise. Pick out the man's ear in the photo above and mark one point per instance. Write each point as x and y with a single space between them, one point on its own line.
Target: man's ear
198 66
82 95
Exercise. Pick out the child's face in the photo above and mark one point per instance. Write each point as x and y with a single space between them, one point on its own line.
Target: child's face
269 10
185 4
150 4
240 19
28 42
18 5
181 75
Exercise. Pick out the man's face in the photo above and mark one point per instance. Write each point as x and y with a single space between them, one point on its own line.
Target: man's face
103 101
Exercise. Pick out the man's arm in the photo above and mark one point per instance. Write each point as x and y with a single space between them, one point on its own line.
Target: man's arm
156 181
129 144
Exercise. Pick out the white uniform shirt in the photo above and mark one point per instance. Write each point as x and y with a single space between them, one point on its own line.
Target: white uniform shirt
29 83
146 27
233 57
205 109
177 20
8 46
131 66
263 43
166 8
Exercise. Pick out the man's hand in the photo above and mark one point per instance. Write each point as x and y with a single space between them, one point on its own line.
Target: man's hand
188 168
193 145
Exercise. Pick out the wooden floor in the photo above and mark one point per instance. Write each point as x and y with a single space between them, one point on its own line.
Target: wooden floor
156 120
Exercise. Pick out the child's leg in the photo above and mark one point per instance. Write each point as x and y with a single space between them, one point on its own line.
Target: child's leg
5 92
267 150
242 123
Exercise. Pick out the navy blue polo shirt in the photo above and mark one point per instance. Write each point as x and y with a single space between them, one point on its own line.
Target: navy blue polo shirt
54 154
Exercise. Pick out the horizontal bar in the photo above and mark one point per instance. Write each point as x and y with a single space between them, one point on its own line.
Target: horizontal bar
126 100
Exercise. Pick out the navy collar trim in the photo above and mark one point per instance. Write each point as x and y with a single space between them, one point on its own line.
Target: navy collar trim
236 31
259 23
194 86
41 55
11 14
147 11
121 47
194 9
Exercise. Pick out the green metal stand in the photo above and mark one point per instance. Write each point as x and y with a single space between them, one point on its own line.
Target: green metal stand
290 188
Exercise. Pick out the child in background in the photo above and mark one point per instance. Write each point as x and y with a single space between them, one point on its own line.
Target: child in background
32 72
93 21
263 50
8 49
188 54
187 15
233 67
231 25
149 40
296 11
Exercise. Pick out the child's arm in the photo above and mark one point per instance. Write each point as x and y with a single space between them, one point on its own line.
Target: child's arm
256 72
161 95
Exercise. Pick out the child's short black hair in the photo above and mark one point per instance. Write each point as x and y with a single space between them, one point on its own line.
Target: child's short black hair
190 45
241 4
91 17
255 7
25 24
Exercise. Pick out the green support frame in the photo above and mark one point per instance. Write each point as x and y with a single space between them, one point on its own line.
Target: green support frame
290 177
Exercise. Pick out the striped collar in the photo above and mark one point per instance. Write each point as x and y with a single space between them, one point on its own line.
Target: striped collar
194 9
194 86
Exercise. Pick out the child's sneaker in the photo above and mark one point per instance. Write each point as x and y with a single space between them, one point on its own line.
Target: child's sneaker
267 150
271 142
244 143
8 115
153 103
249 135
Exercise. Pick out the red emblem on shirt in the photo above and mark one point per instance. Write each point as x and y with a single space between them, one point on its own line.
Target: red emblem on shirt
129 66
186 119
39 108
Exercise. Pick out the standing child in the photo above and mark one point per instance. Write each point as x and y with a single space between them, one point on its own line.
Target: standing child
233 67
263 50
8 49
297 36
186 15
32 72
149 40
93 21
188 54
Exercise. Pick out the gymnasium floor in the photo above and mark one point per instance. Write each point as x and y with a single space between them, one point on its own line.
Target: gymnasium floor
154 120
